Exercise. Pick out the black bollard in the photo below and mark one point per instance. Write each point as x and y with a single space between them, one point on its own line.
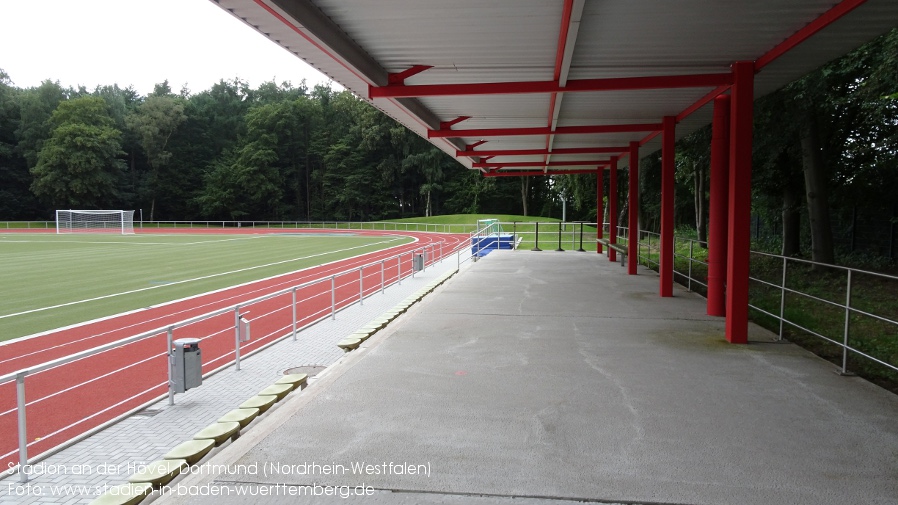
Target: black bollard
581 239
536 239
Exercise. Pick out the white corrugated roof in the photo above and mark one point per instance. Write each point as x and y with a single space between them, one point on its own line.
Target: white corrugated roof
359 43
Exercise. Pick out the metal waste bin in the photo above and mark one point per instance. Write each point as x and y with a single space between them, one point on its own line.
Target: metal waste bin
418 262
186 364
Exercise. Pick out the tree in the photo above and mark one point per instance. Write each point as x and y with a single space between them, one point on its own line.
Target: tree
78 166
153 122
16 201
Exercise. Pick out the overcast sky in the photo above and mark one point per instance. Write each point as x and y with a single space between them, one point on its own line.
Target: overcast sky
192 43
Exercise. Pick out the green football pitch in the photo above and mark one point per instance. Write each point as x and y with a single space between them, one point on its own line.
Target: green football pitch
48 281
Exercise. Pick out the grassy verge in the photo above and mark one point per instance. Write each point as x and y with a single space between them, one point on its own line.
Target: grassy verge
814 312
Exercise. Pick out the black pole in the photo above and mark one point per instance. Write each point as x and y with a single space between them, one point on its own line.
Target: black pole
581 239
536 240
559 239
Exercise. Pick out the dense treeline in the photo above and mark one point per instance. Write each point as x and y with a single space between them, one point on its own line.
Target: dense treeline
277 152
825 169
825 164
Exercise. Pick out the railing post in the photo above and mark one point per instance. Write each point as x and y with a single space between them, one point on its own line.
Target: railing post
294 314
333 298
237 338
23 427
847 324
689 282
559 239
170 354
536 239
783 298
581 240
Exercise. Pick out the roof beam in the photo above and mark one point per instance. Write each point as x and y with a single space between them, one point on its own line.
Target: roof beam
545 130
580 85
524 164
542 152
524 173
808 31
309 22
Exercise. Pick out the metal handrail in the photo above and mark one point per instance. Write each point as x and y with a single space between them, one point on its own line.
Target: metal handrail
19 376
781 317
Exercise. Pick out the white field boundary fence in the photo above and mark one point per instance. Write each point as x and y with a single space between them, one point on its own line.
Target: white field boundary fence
862 333
130 374
524 230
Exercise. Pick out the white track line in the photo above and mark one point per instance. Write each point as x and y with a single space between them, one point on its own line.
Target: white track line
191 280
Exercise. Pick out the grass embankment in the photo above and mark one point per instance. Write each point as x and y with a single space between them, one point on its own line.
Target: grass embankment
524 227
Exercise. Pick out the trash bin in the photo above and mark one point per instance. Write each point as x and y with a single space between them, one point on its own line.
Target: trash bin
186 364
418 262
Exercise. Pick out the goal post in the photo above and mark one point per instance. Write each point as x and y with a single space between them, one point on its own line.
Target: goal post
95 221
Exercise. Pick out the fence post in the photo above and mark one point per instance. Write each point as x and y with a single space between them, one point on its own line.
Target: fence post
168 352
23 427
333 298
847 321
581 239
559 239
536 239
237 338
689 282
294 314
783 298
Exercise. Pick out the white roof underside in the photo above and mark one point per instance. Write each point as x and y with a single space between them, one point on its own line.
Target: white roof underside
359 42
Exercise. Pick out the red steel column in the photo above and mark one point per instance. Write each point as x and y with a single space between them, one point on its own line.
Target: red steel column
633 210
668 126
612 208
717 213
600 180
738 234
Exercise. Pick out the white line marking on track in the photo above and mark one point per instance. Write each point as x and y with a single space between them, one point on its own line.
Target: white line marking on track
5 316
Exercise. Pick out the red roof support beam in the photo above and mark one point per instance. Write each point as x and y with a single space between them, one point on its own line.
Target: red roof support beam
561 130
399 78
739 224
717 212
668 173
809 30
523 173
444 125
633 209
542 152
522 164
600 208
612 209
579 85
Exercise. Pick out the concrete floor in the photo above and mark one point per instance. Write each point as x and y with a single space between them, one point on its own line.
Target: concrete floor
555 377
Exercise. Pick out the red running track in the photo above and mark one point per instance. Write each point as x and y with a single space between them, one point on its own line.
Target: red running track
71 399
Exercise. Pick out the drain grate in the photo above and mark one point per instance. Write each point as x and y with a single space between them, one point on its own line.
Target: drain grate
311 370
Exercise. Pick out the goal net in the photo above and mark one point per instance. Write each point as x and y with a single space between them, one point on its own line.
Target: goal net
95 221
